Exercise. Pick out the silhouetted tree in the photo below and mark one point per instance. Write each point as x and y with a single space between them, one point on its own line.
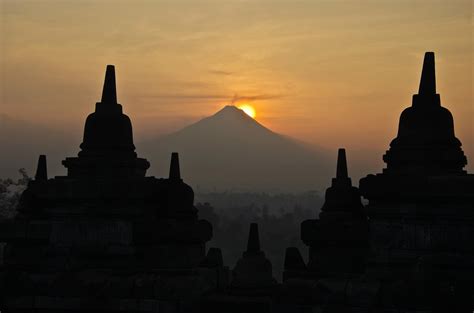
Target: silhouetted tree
10 192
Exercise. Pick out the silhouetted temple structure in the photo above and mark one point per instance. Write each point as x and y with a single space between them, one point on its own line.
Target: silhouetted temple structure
253 270
414 253
252 286
338 249
338 240
106 238
421 210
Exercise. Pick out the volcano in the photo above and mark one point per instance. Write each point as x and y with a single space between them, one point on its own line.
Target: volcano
231 150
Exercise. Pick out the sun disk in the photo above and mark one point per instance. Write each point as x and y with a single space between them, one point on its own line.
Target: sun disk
249 110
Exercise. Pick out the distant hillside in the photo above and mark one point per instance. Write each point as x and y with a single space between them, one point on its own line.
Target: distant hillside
231 150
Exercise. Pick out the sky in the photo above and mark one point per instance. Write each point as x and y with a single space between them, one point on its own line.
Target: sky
331 73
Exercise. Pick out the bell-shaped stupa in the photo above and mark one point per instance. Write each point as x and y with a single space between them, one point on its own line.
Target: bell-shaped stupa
253 270
342 199
179 197
425 143
338 240
425 160
107 148
421 206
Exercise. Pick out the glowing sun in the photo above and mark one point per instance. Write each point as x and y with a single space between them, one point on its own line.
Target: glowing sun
248 109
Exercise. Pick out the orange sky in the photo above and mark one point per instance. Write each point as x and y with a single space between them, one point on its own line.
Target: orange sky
333 73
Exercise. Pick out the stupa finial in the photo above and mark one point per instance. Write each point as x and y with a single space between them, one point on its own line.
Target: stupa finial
341 171
253 244
428 75
175 173
41 169
109 92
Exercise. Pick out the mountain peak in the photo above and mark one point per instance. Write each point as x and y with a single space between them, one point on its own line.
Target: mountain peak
230 149
230 110
231 118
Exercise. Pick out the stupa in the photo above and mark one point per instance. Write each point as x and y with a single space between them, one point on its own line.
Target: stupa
253 271
421 208
294 265
425 143
252 287
106 237
338 240
107 149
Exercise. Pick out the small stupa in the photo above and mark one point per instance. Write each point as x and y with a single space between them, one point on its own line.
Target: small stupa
294 266
338 240
252 287
253 270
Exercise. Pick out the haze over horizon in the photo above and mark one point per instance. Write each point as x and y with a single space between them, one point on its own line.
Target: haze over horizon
333 74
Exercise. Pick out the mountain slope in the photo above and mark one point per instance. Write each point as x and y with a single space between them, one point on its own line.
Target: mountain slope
232 150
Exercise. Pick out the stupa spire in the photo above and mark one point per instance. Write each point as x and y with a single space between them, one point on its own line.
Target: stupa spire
175 173
109 92
341 171
253 244
41 169
428 75
342 177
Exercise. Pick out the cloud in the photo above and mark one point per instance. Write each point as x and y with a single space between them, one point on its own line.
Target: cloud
219 72
232 99
238 98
